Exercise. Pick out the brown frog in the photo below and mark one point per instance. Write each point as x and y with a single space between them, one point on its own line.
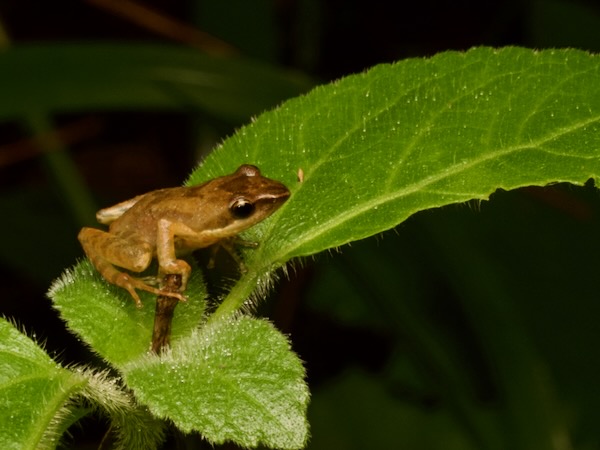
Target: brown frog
174 221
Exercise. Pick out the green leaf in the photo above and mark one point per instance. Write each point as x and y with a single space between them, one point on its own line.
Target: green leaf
116 76
379 146
32 389
39 399
234 381
106 318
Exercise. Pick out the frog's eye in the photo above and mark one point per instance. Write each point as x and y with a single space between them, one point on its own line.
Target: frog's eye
241 208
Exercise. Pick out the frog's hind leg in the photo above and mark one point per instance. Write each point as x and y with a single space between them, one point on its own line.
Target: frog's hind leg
106 251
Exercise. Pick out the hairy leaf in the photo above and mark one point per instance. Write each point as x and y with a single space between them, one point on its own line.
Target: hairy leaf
106 317
376 147
232 381
32 389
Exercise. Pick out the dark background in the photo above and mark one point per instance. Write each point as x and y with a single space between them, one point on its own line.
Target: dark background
371 363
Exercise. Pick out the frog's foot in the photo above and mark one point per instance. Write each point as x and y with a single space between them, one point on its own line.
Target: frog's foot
130 284
176 267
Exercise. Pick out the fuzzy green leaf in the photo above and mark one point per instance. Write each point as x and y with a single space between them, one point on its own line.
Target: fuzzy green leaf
234 381
32 389
379 146
106 318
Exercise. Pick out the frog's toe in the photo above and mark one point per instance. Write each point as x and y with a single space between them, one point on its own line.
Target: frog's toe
130 284
135 296
182 298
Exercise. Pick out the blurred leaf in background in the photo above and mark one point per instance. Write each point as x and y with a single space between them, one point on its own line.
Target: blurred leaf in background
488 312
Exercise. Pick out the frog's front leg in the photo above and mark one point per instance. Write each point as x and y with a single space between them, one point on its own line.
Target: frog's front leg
165 246
165 250
106 251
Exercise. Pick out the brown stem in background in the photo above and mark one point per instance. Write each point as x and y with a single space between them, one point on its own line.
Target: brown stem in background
163 316
69 134
166 26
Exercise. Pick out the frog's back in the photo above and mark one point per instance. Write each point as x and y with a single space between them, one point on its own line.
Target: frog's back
141 220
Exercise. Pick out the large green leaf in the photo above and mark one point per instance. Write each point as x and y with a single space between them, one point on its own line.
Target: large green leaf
86 77
422 133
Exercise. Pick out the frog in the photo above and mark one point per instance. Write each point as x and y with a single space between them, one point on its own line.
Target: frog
168 223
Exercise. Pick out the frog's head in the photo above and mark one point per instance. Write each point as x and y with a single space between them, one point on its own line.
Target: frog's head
245 198
253 197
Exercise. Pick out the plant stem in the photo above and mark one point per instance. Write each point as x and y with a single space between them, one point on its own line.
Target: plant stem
236 297
163 316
